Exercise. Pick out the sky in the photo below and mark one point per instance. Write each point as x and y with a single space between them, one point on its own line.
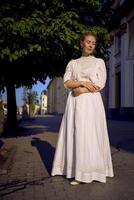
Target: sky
39 87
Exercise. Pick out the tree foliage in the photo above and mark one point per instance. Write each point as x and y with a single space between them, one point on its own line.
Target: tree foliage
30 98
38 37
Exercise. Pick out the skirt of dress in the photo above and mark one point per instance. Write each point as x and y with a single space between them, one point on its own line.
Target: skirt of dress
83 149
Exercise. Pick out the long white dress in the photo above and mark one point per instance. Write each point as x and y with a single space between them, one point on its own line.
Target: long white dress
83 149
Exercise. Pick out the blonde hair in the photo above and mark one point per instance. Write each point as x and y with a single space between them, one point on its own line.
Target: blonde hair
82 37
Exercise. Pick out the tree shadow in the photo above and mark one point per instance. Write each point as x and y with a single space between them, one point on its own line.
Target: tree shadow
19 185
46 152
34 126
120 133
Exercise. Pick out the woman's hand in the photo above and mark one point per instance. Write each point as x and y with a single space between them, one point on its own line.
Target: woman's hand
79 90
90 86
85 87
72 84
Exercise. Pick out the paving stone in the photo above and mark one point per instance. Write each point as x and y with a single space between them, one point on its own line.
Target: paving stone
28 177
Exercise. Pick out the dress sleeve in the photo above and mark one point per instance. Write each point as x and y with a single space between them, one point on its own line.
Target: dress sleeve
101 75
68 72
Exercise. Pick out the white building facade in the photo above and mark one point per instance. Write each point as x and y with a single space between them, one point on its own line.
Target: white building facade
121 62
57 96
43 103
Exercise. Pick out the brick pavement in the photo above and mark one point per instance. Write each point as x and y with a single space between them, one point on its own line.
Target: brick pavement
29 174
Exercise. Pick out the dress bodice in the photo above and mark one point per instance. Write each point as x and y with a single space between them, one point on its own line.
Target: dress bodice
84 68
87 69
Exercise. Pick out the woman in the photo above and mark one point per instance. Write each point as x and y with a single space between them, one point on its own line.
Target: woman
83 150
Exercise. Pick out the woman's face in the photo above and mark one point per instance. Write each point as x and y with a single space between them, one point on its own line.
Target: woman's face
88 45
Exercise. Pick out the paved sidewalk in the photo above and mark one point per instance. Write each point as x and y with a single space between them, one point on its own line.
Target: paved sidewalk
28 176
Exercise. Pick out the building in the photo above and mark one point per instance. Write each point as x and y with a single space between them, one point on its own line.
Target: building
121 62
43 102
57 96
4 105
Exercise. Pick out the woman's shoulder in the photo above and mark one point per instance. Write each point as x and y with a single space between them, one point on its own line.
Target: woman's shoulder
100 62
70 62
73 61
99 59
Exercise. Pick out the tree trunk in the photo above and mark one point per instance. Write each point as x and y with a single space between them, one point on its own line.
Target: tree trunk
11 105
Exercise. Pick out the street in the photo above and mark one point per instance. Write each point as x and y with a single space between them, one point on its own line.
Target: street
28 174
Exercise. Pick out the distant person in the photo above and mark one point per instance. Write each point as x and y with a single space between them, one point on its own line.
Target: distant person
83 149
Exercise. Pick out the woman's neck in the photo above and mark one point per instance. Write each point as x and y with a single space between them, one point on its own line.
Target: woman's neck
85 54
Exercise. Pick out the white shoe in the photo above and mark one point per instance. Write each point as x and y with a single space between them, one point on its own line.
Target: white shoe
74 182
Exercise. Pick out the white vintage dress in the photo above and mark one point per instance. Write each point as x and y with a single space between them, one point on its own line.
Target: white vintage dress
83 149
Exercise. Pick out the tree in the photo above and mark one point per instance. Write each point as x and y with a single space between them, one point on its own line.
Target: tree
30 98
37 39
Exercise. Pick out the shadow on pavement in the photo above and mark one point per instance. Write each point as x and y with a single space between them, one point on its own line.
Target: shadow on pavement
1 143
34 126
121 135
18 185
46 152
